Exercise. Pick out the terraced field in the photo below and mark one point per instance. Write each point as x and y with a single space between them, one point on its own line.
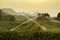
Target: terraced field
30 30
51 25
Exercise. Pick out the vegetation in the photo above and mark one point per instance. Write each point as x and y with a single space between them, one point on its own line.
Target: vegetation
43 28
6 17
29 36
58 16
29 31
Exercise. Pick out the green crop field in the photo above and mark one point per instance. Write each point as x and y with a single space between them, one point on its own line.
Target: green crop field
30 30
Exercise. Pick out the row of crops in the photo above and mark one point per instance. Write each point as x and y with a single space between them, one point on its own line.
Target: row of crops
26 31
29 26
50 24
9 24
29 36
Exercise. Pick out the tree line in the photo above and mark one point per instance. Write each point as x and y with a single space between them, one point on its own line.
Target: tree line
46 16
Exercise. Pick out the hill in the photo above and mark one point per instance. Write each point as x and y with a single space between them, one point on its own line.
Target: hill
21 18
27 28
30 30
33 25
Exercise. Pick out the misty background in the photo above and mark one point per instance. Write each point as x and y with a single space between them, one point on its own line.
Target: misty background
30 6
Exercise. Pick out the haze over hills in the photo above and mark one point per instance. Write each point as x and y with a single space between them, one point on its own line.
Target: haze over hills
25 16
13 12
19 16
30 20
27 26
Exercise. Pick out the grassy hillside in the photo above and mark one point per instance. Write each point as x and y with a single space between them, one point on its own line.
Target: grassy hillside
9 24
31 25
28 26
30 30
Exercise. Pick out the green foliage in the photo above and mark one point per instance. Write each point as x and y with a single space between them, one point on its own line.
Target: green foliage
50 24
29 36
29 30
9 24
58 16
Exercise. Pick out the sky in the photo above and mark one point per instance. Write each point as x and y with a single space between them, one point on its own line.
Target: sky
30 6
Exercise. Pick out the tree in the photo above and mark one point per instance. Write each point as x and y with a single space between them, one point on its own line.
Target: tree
58 16
0 14
46 14
38 16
